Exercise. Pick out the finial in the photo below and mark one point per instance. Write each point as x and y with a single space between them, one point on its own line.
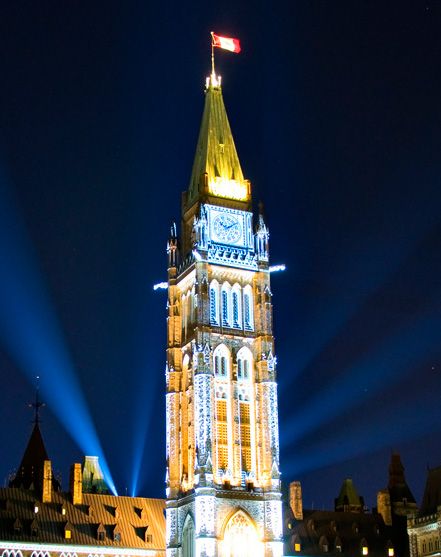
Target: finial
37 404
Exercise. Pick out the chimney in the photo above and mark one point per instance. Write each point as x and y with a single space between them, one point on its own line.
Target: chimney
384 506
76 483
46 482
295 500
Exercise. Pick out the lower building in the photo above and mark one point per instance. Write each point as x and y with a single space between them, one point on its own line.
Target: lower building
37 519
424 529
347 530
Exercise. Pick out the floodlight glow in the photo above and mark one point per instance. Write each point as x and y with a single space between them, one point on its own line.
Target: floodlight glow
30 332
160 286
276 268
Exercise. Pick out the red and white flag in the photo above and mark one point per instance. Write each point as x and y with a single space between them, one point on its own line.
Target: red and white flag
233 45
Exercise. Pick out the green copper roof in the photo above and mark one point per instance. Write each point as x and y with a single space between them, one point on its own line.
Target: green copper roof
215 153
348 495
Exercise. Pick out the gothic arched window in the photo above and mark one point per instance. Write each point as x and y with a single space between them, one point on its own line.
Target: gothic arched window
248 308
214 303
188 538
226 310
237 310
240 538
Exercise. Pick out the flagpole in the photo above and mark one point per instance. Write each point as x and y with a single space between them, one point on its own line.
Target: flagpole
212 53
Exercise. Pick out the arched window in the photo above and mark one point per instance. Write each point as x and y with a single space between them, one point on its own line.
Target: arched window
248 308
188 537
214 303
222 357
226 310
244 364
223 434
240 538
237 309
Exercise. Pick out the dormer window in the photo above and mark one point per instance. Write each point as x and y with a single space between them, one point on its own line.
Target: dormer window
116 533
67 531
90 511
63 511
17 527
117 513
143 514
36 507
34 528
101 532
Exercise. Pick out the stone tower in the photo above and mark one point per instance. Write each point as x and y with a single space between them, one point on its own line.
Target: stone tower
223 481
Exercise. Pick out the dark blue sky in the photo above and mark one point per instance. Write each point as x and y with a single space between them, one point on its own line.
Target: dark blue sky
335 108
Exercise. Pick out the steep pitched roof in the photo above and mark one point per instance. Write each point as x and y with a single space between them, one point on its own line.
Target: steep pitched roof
140 521
216 153
31 465
398 488
348 497
432 492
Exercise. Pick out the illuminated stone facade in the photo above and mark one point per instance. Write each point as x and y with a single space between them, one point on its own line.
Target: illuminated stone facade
223 485
424 528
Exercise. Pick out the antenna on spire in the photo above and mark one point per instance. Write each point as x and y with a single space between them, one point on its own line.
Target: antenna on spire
37 404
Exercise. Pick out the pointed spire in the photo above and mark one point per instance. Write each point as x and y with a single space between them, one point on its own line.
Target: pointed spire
216 168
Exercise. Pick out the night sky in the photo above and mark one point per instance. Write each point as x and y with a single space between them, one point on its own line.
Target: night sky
335 107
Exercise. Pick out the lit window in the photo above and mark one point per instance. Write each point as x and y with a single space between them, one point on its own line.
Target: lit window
223 366
63 511
297 546
213 306
67 534
225 322
235 310
248 309
391 552
338 548
364 550
36 508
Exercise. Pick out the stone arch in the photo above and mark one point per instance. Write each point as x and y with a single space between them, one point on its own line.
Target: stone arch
240 537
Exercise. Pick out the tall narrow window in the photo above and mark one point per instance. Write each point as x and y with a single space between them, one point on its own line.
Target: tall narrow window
248 309
213 305
224 366
245 436
235 310
246 365
225 308
217 365
239 368
222 434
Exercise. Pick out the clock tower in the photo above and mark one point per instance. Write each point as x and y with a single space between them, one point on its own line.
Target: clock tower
223 480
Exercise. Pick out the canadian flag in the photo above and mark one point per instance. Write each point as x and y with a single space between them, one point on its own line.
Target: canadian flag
233 45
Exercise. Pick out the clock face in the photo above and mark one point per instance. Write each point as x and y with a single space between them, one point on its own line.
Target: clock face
227 228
